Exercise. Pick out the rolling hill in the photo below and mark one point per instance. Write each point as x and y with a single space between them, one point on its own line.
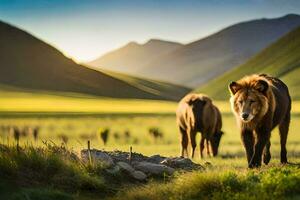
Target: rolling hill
196 63
281 59
29 63
130 58
162 89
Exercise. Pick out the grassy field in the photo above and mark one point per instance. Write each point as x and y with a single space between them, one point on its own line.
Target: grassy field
51 173
15 101
31 102
82 118
79 129
274 182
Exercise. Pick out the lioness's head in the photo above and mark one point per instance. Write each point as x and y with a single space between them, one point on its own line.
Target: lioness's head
249 97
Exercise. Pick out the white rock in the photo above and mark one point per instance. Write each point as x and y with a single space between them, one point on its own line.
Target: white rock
97 156
152 168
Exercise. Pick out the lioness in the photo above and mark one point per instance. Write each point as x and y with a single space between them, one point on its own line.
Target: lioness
196 113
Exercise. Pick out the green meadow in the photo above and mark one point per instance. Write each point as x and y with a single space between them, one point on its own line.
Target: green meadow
81 118
70 120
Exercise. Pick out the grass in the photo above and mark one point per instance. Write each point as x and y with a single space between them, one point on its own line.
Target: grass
274 182
61 102
42 172
54 172
80 128
31 102
51 172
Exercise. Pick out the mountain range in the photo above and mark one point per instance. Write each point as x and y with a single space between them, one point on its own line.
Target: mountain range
128 58
198 62
29 63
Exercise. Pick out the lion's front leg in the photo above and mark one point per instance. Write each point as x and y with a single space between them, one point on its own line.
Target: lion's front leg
248 142
263 136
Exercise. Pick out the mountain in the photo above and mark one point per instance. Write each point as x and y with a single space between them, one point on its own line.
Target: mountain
198 62
29 63
131 57
281 59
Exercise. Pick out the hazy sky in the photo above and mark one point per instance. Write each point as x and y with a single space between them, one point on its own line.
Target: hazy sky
86 29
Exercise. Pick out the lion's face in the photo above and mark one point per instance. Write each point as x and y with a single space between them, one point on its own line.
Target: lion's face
249 101
247 105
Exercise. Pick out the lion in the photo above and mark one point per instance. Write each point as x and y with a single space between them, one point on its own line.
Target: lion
260 103
196 113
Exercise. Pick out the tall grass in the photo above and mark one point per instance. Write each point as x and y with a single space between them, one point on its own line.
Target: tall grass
267 183
56 170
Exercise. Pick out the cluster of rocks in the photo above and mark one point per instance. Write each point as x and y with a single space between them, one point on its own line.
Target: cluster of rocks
138 166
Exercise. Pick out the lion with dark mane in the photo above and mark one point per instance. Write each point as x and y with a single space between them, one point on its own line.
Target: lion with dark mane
260 103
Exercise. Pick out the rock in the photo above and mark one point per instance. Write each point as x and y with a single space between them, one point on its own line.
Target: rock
155 159
114 170
156 165
153 169
120 156
125 167
97 156
179 162
141 176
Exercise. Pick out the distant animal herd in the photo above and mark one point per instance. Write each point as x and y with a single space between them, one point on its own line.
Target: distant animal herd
259 103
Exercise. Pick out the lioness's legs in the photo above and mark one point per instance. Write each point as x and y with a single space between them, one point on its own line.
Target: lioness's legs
248 142
184 142
201 146
193 141
267 154
207 148
283 131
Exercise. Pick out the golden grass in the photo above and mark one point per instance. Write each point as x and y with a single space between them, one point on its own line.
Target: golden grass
30 102
60 102
75 126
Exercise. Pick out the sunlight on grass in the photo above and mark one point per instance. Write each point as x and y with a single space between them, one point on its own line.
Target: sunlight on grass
27 102
68 102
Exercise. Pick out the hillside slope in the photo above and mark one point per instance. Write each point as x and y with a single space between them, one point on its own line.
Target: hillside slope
27 62
281 59
198 62
163 89
130 58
